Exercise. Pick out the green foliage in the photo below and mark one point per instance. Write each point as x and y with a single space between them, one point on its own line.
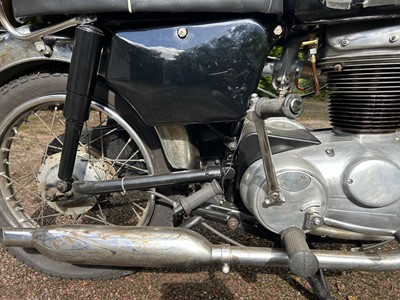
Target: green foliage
308 86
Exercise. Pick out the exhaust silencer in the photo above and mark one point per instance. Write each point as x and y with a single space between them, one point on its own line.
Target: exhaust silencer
113 245
169 247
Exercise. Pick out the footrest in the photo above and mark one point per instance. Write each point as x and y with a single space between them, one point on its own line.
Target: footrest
302 261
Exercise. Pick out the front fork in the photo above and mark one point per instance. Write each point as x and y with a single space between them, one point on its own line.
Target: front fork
80 87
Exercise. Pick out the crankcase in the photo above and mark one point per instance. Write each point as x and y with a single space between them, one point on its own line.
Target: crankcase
348 182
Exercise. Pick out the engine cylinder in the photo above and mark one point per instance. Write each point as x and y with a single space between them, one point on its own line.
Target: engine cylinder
361 62
364 94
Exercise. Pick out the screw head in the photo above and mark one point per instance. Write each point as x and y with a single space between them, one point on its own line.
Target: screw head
345 42
393 38
330 151
182 33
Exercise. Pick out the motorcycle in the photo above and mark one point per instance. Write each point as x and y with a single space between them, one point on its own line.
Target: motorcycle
126 124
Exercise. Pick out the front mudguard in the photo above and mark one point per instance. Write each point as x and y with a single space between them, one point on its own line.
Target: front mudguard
18 57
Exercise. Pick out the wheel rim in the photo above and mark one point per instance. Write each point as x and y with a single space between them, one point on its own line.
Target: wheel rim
31 136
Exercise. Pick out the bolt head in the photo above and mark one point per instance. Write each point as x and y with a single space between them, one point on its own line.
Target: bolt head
233 223
317 221
345 42
278 30
297 106
182 33
393 38
48 197
226 269
232 146
275 196
330 151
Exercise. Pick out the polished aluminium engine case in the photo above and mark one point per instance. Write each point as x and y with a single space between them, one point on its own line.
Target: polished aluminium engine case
348 180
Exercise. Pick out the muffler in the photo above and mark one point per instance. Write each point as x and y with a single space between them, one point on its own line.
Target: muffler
169 247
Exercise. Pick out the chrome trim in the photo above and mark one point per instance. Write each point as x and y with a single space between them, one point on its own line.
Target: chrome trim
170 247
14 52
38 34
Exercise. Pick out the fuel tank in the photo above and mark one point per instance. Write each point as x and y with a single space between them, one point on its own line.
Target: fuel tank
197 73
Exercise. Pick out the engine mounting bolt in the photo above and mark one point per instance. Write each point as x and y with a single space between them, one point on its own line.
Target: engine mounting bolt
226 269
393 38
345 42
278 30
233 223
182 33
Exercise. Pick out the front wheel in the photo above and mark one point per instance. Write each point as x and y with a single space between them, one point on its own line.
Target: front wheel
31 139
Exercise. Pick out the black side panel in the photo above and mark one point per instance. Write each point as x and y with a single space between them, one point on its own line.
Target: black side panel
205 75
23 8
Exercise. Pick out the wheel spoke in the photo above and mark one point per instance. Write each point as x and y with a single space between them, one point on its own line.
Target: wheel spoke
118 156
45 125
99 138
22 187
51 131
33 132
38 144
136 213
27 153
46 217
96 219
138 206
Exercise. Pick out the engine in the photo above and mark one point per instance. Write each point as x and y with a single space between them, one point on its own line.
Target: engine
363 70
349 182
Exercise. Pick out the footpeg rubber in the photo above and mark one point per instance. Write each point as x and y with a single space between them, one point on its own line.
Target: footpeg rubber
302 261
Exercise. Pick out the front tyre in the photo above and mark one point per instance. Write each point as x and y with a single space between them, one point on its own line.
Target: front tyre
31 139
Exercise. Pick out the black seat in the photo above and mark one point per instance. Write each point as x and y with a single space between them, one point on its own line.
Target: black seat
24 8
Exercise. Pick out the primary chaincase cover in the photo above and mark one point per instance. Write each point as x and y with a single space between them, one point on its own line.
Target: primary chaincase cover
189 74
347 181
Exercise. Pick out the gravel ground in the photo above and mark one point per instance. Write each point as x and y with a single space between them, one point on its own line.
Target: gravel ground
18 281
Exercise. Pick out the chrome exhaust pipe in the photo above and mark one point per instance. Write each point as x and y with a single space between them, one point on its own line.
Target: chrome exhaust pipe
169 247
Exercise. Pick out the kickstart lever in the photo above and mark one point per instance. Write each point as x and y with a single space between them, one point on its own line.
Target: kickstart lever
264 108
